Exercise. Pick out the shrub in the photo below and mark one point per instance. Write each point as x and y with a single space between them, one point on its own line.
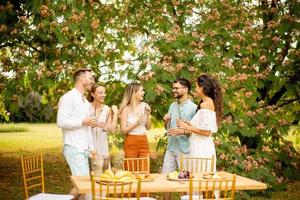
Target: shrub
7 128
273 163
32 108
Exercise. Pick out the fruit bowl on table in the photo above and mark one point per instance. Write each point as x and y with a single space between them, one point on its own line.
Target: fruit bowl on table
179 176
120 177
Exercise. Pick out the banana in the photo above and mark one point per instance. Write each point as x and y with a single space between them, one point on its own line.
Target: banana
126 178
104 176
172 175
109 173
121 174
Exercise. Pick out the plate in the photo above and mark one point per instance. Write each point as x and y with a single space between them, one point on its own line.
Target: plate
109 182
145 179
148 179
177 179
212 176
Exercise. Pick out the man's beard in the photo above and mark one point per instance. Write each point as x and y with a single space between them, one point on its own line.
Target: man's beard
178 96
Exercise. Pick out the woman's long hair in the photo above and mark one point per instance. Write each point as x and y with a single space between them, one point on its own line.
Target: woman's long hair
212 89
130 90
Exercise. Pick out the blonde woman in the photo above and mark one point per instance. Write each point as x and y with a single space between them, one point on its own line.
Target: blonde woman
106 117
135 121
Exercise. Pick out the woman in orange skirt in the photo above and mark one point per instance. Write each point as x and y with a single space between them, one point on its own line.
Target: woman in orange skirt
135 121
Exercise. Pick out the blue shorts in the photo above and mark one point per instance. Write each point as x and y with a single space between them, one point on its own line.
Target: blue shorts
77 160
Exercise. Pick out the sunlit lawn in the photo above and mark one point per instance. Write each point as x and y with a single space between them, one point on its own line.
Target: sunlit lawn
47 138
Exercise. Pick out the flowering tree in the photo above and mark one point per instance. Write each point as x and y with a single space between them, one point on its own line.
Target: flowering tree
254 52
250 46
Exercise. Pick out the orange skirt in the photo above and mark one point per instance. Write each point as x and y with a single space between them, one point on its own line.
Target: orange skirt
136 146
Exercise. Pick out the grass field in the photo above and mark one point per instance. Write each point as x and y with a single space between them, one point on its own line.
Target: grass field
47 138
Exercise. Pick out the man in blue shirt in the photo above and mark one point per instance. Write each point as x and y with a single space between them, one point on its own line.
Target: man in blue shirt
178 144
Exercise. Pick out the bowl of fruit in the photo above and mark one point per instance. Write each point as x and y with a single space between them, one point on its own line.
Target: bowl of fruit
179 176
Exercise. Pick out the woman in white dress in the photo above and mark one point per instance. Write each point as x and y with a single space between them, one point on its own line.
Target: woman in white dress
206 120
107 120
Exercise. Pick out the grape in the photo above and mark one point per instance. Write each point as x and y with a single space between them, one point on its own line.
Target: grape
181 175
187 174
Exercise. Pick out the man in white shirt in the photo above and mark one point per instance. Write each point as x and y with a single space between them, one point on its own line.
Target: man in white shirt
73 117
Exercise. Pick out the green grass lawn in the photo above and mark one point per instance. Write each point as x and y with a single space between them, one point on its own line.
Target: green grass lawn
47 138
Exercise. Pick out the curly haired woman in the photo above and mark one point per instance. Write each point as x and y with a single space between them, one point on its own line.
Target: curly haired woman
206 120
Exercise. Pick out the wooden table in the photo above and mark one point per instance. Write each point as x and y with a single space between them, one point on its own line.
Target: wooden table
161 184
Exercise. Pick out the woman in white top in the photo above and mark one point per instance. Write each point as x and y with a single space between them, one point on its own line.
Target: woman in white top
107 119
206 120
135 121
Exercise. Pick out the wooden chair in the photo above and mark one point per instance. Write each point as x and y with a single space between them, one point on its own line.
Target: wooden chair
33 177
137 165
212 188
140 165
104 189
194 164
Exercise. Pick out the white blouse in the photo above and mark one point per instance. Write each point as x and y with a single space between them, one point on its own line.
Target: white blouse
141 128
200 145
205 119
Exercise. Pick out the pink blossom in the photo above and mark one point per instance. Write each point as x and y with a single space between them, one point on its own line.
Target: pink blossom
250 113
271 24
235 162
276 39
44 11
228 119
241 124
3 27
192 69
159 89
282 122
260 126
263 59
179 67
257 37
217 142
223 157
248 94
23 18
246 61
244 149
95 24
236 47
195 34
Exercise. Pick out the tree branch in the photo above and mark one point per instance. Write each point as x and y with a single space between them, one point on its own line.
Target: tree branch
288 102
10 44
21 39
277 96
